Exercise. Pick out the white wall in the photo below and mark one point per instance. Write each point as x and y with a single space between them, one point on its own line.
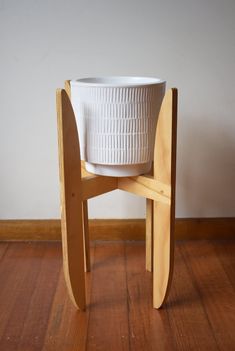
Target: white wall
189 43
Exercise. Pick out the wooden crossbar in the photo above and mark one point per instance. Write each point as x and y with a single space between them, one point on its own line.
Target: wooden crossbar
97 185
145 186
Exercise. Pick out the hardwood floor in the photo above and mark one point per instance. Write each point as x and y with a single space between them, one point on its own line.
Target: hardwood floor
36 313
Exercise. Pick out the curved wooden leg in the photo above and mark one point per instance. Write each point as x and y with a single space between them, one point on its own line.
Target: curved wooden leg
149 235
71 201
67 88
164 214
86 236
163 253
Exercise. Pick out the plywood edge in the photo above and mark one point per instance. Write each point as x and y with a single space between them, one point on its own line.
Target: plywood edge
118 229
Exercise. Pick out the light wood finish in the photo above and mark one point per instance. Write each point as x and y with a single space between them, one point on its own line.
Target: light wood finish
85 173
149 236
149 233
86 236
71 200
146 186
164 214
36 312
85 206
67 88
96 185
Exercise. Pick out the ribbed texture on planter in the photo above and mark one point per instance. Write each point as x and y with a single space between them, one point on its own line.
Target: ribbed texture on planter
117 125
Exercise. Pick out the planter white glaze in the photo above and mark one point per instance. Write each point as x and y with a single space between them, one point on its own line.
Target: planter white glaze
116 118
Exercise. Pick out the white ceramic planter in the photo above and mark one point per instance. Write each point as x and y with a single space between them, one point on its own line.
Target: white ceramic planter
116 119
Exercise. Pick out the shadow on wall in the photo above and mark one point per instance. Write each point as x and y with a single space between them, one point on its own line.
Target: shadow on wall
206 168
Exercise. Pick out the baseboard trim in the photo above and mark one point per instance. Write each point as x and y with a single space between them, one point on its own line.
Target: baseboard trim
42 229
118 229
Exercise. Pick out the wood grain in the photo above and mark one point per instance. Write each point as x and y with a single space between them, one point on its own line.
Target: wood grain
108 323
37 314
215 290
71 200
40 302
28 229
149 232
97 185
67 327
86 236
115 229
191 329
27 290
13 279
149 235
149 329
164 170
118 229
147 187
3 249
225 252
205 228
67 87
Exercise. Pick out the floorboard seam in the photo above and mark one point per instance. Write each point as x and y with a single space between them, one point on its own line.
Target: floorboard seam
4 253
194 282
128 296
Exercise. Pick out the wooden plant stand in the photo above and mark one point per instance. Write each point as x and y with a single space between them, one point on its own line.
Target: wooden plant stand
77 186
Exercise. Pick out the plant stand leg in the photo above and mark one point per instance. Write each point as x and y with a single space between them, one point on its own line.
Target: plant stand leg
164 214
71 201
149 235
67 88
86 236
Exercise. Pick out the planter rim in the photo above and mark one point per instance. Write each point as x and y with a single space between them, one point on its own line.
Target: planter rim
117 81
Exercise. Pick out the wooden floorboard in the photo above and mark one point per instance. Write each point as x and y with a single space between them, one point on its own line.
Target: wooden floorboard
215 290
67 328
3 249
188 321
108 320
18 274
149 329
225 250
36 313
